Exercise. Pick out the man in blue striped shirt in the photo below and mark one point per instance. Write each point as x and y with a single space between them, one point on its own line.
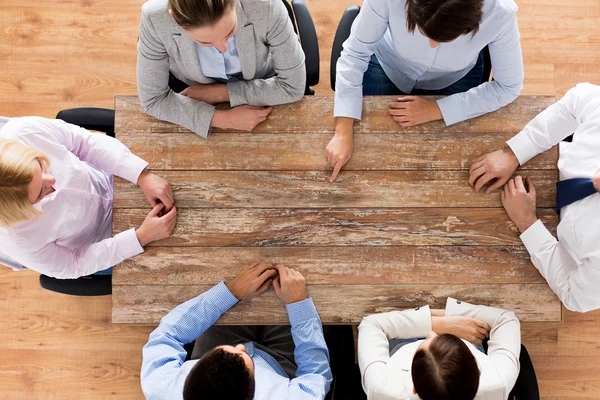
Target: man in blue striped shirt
249 362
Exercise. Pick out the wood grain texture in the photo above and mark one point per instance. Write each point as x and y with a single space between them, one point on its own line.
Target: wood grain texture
292 189
399 265
305 152
314 114
336 227
338 304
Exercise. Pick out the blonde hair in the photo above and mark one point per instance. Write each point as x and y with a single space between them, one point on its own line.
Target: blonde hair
197 13
17 168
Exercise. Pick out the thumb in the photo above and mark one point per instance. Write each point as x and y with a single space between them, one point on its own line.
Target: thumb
156 210
531 186
277 285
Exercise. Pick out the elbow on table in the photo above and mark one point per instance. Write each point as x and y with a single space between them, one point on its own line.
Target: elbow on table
508 93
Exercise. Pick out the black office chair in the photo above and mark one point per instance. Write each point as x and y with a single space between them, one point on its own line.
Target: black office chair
340 342
97 119
305 29
343 32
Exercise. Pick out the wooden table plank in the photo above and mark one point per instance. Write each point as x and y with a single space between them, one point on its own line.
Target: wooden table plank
306 152
198 189
336 227
335 265
315 114
338 304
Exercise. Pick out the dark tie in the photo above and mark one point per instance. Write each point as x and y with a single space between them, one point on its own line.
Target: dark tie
571 190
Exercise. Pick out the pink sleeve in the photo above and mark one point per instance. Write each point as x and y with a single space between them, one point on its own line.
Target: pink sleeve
101 151
65 263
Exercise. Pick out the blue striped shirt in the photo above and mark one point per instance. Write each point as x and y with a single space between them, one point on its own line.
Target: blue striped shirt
164 368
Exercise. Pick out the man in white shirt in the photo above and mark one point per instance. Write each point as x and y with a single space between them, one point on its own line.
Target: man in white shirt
444 367
571 264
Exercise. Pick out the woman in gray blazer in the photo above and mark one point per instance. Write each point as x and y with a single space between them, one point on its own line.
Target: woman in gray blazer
244 52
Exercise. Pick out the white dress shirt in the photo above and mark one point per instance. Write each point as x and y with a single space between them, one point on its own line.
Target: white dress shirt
386 377
409 61
215 64
571 264
73 236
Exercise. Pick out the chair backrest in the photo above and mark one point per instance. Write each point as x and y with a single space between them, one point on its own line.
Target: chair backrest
341 34
305 29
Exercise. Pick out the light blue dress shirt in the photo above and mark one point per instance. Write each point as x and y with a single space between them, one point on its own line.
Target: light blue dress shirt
409 61
164 370
215 64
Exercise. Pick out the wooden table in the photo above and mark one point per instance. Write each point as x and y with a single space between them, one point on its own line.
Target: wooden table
399 228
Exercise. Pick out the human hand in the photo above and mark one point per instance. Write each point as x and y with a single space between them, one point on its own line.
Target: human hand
243 118
466 328
596 181
414 110
339 150
252 281
213 93
519 202
156 189
499 165
289 285
156 227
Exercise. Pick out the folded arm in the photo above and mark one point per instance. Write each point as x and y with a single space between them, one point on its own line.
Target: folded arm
164 354
313 377
288 84
156 97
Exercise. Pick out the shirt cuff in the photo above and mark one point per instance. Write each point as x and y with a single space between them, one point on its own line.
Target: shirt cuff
451 110
129 245
536 237
130 167
453 306
301 311
222 297
349 106
236 93
523 147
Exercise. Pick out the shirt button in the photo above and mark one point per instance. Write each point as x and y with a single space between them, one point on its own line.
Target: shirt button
458 301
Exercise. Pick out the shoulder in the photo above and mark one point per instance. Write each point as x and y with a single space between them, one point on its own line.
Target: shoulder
156 12
23 126
501 8
258 11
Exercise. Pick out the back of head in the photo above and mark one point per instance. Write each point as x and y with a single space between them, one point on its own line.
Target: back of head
445 371
444 20
17 169
219 375
197 13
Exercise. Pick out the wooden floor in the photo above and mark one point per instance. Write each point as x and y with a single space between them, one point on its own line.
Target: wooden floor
56 54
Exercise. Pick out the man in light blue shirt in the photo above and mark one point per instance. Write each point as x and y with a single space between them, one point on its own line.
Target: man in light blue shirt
238 368
411 47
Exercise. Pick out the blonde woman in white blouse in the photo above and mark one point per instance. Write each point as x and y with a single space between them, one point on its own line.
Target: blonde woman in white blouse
56 199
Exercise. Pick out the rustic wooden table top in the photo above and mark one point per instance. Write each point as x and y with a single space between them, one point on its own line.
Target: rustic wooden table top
400 228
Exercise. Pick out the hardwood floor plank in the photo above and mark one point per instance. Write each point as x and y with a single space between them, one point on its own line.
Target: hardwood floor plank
313 114
400 265
336 227
198 189
305 151
531 302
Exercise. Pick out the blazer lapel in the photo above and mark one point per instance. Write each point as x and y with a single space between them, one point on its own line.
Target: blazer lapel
189 56
245 43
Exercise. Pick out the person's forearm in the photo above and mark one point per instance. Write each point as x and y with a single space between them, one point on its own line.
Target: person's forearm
344 126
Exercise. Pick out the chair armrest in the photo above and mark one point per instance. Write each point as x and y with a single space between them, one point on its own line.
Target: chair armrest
341 34
97 119
308 39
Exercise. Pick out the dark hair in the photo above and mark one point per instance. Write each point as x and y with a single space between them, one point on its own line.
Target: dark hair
444 20
196 13
219 375
446 371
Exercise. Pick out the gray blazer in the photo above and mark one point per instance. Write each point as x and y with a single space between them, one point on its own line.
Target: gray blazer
271 57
